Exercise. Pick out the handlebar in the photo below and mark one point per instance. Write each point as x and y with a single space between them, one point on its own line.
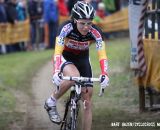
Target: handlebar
83 79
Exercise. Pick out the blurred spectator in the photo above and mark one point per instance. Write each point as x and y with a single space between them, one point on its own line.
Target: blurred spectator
63 10
22 15
21 10
12 17
70 4
35 10
3 20
101 11
112 5
51 22
94 3
100 15
3 14
117 5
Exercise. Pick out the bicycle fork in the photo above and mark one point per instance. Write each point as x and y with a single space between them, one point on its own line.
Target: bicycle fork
73 113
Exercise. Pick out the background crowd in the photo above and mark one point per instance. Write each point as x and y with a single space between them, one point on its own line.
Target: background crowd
44 19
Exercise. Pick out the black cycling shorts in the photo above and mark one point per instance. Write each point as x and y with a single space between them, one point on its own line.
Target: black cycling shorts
81 62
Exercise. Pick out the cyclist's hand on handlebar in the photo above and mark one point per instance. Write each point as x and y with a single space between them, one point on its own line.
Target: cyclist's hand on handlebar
56 79
104 81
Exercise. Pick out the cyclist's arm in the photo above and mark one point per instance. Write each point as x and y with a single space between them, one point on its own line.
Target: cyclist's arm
100 46
58 54
63 31
103 58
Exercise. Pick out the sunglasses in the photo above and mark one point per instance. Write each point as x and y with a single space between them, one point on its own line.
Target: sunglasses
82 24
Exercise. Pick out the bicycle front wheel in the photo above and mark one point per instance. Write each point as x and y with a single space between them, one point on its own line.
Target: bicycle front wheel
73 120
74 117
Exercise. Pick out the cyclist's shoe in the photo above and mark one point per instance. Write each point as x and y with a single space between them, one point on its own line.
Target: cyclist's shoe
53 114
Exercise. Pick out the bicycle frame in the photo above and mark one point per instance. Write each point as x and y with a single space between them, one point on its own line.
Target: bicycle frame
72 106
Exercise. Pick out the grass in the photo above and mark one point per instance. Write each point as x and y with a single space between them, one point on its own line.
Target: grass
18 67
121 85
120 101
17 70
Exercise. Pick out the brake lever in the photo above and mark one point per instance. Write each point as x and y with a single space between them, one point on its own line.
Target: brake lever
60 75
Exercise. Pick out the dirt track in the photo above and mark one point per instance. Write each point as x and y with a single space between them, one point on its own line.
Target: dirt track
37 118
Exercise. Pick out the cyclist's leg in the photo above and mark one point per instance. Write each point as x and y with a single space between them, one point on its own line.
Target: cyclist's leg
87 112
86 71
50 104
68 70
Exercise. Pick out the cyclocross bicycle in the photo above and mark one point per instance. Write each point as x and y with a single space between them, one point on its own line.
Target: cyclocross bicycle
72 104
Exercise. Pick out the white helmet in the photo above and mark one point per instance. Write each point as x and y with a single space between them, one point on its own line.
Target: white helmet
83 10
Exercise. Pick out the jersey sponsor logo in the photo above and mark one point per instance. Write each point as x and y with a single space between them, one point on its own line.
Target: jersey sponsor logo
66 29
77 45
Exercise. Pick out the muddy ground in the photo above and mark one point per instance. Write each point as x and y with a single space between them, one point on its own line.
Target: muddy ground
37 118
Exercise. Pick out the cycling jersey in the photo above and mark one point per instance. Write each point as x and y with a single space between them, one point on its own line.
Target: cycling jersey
70 40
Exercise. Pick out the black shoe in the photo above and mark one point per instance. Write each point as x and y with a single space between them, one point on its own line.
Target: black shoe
53 114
